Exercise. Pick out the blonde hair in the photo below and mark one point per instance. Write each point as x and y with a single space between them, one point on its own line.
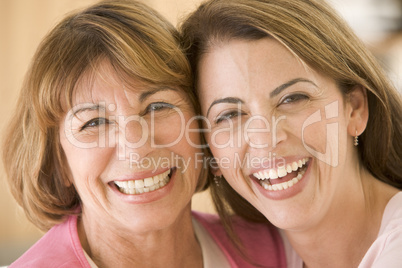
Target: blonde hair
138 42
313 32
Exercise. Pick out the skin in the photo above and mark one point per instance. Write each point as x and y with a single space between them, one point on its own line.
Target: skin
258 98
117 230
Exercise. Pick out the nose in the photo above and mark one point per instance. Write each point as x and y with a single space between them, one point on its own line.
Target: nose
261 133
134 137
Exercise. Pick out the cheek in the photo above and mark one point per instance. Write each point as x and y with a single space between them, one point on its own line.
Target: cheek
319 136
85 163
228 137
314 136
172 130
181 136
224 151
104 135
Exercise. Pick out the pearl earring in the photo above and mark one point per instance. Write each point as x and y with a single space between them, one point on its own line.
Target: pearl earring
356 140
217 179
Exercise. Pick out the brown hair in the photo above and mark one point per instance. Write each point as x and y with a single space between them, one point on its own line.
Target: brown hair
137 41
315 34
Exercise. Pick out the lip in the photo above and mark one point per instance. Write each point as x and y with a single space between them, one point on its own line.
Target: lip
147 197
286 193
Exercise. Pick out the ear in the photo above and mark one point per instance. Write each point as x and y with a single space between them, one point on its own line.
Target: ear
358 116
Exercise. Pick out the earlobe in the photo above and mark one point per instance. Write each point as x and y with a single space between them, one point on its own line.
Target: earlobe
214 168
359 112
216 172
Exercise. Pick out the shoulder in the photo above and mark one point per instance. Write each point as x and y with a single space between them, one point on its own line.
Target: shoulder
57 248
262 242
386 249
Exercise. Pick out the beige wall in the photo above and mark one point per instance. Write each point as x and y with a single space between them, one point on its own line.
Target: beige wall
23 23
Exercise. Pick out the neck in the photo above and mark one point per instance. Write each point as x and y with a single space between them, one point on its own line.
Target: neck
344 235
174 246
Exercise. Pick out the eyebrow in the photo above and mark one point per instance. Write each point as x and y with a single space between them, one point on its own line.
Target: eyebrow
274 93
92 107
147 94
88 107
282 87
225 100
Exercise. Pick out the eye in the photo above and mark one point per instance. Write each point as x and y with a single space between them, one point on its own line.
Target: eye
95 122
158 106
293 98
228 115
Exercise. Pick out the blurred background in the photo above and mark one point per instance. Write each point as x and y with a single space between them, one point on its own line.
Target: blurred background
23 23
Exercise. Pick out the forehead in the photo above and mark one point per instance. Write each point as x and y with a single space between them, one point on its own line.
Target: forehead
97 83
104 82
249 55
241 61
240 67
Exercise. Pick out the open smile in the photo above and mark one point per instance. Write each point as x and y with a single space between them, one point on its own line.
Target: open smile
146 185
284 177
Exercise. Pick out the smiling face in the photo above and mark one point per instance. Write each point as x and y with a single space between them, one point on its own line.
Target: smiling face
132 159
279 131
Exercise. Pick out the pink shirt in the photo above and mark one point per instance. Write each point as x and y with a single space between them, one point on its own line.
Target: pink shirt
61 247
263 243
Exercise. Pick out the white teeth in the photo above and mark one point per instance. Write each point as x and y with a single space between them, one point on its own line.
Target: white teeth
279 186
148 182
280 172
288 168
145 185
300 163
294 166
139 184
121 184
269 187
283 185
273 174
265 176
